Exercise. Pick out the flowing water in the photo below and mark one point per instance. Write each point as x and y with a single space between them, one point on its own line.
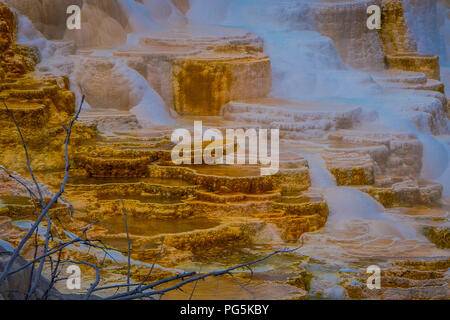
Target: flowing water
359 232
307 66
357 220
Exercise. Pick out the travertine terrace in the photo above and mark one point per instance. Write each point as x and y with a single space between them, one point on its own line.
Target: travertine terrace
364 138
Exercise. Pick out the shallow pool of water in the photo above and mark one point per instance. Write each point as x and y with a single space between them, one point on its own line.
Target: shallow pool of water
228 170
83 180
14 200
143 199
145 227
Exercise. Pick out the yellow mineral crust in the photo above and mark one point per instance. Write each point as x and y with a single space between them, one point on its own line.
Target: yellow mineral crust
39 104
203 86
400 47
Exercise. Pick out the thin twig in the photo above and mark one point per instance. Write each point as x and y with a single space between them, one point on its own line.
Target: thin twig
42 261
154 263
135 295
129 243
195 286
33 196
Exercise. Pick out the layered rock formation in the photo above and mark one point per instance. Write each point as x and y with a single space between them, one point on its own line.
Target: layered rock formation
39 104
363 155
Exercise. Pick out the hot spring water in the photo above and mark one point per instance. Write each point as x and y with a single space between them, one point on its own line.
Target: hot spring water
350 207
307 67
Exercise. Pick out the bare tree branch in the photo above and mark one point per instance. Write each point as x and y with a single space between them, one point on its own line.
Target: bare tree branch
128 241
42 261
135 294
46 208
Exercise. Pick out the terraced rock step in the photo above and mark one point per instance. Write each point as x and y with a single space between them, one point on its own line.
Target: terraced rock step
31 101
201 38
351 168
27 114
20 207
432 85
39 102
406 193
398 79
113 187
294 116
427 64
236 197
413 279
373 153
400 76
110 121
247 184
203 84
196 69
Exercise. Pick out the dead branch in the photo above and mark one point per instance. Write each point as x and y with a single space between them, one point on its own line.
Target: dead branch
135 294
128 241
47 207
